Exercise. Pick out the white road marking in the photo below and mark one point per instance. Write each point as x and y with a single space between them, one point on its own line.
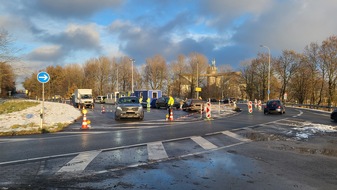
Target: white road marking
205 144
167 159
298 115
156 151
236 136
80 162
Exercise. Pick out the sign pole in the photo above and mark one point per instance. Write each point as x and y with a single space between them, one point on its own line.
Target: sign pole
42 77
42 109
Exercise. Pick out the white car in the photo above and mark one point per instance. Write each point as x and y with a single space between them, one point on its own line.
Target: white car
100 99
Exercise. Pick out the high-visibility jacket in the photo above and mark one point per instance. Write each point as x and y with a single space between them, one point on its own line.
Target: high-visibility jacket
170 101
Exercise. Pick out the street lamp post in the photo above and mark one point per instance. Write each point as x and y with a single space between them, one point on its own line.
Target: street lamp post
132 61
197 79
268 69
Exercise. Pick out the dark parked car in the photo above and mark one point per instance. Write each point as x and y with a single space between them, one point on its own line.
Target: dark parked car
129 107
152 103
193 105
333 115
162 102
274 106
228 100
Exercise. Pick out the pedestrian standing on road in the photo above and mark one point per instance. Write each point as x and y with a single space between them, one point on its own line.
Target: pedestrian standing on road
170 103
148 101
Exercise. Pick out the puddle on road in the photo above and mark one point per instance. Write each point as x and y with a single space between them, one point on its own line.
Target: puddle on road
198 172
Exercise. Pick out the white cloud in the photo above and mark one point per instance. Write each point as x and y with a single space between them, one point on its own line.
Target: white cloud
291 25
45 53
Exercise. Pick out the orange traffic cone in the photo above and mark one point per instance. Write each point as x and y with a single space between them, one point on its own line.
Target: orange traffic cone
103 109
84 122
171 114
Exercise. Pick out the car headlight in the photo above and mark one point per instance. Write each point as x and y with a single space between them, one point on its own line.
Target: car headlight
118 108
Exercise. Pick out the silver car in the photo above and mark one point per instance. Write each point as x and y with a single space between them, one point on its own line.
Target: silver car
129 107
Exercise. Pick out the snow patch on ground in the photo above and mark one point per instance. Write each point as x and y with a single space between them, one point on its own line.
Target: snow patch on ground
53 113
309 129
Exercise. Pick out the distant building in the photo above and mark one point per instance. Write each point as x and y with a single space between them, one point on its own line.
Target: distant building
218 84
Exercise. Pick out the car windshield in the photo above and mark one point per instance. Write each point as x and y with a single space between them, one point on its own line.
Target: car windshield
86 96
274 103
128 100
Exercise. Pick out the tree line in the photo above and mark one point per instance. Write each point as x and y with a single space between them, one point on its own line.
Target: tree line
105 75
306 78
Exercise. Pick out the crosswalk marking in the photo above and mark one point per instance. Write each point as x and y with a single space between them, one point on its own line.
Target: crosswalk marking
236 136
80 162
205 144
156 151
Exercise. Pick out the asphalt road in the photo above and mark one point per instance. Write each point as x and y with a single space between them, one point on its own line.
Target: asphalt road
241 151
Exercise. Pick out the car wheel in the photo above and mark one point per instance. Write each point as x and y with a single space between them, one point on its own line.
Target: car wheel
265 113
157 106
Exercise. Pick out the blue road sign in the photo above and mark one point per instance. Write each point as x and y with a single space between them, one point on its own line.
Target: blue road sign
43 77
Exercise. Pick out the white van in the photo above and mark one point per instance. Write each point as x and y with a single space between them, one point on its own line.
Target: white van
100 99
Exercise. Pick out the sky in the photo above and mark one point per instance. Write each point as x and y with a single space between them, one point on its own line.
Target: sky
61 32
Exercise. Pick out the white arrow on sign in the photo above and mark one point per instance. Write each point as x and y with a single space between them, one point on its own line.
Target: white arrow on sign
44 77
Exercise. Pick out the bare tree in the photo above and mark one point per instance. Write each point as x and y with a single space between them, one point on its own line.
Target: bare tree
260 70
300 82
125 73
156 72
73 79
7 76
33 86
197 66
55 84
178 68
285 66
328 54
311 55
103 71
113 76
90 70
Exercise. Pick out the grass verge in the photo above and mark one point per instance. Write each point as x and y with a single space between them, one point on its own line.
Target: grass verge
16 105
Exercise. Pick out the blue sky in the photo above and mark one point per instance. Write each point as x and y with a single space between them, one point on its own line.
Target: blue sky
60 32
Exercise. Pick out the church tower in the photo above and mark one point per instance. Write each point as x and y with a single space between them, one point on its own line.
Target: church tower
212 71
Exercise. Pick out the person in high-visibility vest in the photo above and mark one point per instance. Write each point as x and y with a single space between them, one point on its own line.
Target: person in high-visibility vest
148 101
170 103
141 99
